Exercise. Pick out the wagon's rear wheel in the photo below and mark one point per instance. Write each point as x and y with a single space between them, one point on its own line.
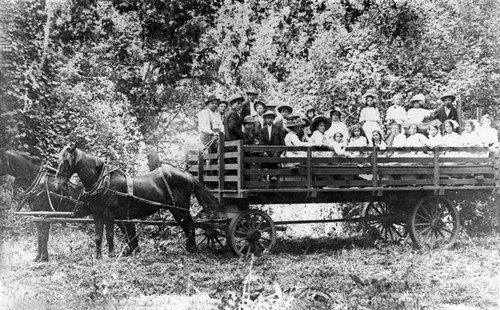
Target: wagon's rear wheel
385 223
252 231
211 237
434 223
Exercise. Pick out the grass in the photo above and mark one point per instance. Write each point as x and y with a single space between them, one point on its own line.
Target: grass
317 273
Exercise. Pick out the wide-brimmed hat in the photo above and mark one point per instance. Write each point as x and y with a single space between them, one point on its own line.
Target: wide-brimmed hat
336 110
309 108
285 106
317 120
269 113
235 97
252 90
419 97
448 95
369 94
295 121
248 120
271 106
210 99
307 122
259 102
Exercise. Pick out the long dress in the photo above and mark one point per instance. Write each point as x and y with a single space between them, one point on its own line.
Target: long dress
416 140
291 139
471 139
488 135
319 139
360 142
371 118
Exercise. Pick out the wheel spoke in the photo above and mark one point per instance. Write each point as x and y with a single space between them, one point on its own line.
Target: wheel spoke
424 218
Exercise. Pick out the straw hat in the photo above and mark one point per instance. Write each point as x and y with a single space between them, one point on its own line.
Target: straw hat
252 90
309 108
369 94
235 97
259 102
285 106
269 113
248 120
419 97
317 120
210 99
294 122
448 95
336 110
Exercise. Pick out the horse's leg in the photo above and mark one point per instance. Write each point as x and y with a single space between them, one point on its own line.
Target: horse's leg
44 240
110 235
99 230
39 241
129 232
188 226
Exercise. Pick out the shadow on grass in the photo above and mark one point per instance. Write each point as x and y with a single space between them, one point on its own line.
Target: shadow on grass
308 245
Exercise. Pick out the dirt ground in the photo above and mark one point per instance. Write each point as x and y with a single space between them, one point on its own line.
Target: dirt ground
316 273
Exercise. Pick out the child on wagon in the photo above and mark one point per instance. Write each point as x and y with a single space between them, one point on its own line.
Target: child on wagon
358 138
369 117
488 134
319 126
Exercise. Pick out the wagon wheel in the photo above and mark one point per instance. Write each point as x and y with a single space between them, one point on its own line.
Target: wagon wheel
389 229
252 231
434 223
214 238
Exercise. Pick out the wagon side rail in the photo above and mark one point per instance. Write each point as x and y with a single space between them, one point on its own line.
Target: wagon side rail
393 167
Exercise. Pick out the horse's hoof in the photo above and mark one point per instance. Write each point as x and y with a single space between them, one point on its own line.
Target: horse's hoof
192 248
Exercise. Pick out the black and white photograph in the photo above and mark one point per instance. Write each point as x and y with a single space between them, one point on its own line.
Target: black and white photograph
250 154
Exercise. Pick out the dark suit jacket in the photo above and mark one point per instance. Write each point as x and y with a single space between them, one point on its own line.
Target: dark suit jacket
232 126
245 109
441 114
277 137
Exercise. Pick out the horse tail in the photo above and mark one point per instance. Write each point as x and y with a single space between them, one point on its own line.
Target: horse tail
204 196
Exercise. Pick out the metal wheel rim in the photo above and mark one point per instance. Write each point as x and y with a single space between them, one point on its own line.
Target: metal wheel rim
385 230
252 232
434 223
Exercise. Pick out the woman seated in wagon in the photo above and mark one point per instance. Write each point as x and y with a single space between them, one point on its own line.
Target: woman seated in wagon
319 126
294 125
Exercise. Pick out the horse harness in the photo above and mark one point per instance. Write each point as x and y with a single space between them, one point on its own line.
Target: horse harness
105 177
35 190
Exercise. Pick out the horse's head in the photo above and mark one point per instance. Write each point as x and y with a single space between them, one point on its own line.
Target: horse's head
67 165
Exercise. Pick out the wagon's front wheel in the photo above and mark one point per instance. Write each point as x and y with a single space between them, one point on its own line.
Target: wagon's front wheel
252 231
434 223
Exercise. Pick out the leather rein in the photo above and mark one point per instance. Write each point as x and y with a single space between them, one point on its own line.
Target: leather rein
99 187
35 190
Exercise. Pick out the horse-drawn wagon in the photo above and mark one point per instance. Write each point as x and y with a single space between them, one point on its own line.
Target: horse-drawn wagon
403 189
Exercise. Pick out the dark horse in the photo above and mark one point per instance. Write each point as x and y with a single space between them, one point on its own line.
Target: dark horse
115 195
42 195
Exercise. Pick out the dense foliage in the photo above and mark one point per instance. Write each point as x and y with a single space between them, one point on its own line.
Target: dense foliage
113 73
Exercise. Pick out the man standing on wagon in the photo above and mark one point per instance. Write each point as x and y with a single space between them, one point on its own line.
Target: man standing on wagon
248 107
447 111
271 134
209 124
232 119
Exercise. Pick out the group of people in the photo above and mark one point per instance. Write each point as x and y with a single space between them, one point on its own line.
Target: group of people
257 122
